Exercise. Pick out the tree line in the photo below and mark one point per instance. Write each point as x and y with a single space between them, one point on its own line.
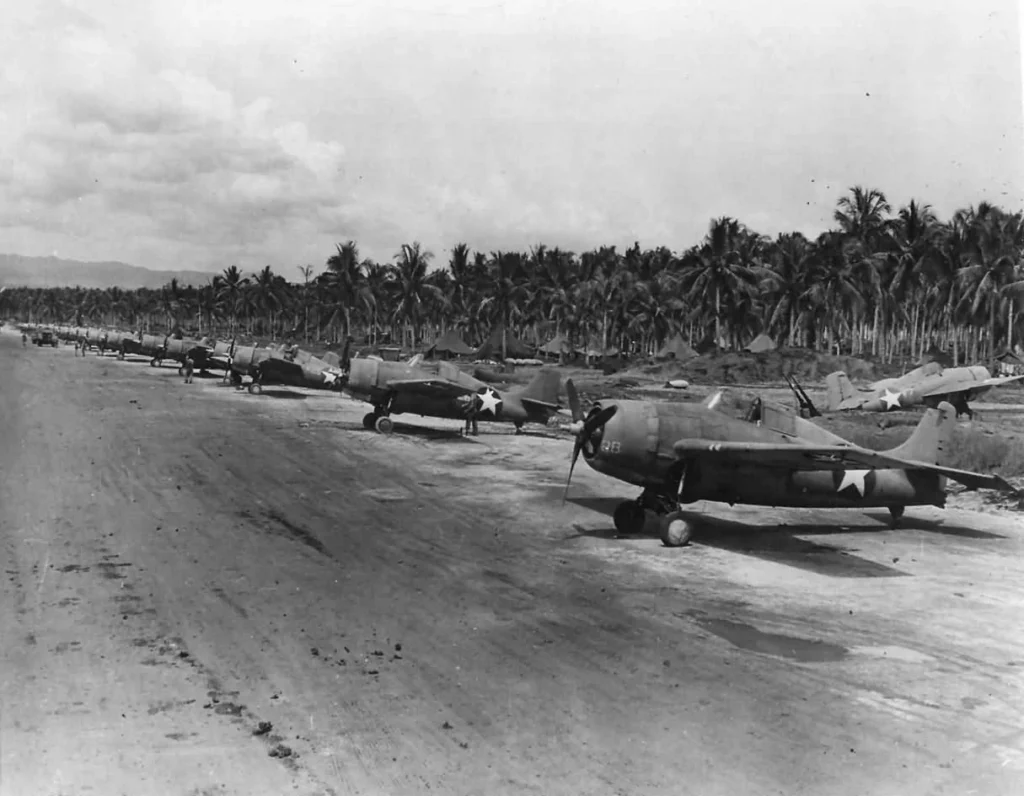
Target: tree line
877 283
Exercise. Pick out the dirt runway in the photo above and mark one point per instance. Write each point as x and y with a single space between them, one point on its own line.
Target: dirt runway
207 592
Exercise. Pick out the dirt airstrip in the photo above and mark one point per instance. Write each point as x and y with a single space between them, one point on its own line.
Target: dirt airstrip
207 592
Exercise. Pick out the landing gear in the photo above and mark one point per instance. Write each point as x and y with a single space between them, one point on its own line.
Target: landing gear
153 363
629 518
895 515
675 529
255 388
120 355
384 425
370 420
519 428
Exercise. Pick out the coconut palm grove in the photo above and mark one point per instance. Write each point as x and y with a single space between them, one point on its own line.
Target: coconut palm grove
880 283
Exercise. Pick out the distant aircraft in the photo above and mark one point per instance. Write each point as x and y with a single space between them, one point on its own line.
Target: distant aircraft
929 385
681 453
395 388
285 365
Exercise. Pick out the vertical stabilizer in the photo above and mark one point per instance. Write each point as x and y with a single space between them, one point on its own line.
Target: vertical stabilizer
544 387
837 390
930 443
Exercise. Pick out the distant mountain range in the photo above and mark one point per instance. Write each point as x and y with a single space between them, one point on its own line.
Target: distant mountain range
18 270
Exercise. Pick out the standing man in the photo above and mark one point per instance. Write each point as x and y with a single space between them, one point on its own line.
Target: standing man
24 340
189 368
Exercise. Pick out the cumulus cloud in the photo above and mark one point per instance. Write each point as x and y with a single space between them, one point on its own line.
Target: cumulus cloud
201 134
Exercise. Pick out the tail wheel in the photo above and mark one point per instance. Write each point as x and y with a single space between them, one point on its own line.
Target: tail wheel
895 515
676 530
384 425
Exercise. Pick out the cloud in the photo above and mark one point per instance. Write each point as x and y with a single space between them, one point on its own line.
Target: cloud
200 134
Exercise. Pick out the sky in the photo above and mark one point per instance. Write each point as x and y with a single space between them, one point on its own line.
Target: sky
198 134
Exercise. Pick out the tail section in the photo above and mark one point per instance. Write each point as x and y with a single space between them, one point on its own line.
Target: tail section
544 388
838 389
930 443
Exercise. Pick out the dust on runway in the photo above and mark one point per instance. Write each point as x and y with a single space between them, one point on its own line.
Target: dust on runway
419 612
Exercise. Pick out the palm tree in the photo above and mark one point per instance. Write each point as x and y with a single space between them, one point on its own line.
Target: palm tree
410 288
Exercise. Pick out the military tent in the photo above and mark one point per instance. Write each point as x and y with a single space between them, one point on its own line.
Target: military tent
677 348
448 345
515 348
760 344
556 346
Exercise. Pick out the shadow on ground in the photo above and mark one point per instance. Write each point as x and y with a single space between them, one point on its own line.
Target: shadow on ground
778 543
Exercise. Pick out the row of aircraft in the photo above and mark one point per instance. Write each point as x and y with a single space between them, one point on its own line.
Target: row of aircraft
678 453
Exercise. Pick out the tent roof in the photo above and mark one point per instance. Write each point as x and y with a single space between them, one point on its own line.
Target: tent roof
761 343
678 348
451 342
556 345
491 347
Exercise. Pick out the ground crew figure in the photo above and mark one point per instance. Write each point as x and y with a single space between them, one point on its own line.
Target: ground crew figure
189 367
24 340
471 414
78 344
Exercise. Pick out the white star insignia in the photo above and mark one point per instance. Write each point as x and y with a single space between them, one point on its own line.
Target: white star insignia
489 401
854 478
891 399
330 377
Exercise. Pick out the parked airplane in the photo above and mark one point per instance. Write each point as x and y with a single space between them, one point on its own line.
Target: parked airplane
681 453
395 388
930 385
285 365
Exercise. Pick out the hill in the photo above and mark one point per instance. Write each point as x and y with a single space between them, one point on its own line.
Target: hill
19 270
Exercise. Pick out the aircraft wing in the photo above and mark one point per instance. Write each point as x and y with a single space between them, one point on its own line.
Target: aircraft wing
827 457
433 388
282 368
966 385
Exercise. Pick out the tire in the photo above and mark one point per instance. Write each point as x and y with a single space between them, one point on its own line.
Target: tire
369 421
384 425
153 362
676 530
629 518
255 388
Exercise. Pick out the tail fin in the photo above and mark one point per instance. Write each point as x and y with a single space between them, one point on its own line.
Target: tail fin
838 389
544 388
930 443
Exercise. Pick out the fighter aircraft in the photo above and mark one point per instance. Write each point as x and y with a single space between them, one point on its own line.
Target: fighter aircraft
398 388
285 365
681 453
930 385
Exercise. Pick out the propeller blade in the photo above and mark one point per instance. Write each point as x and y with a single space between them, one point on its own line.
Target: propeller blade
574 401
576 448
593 423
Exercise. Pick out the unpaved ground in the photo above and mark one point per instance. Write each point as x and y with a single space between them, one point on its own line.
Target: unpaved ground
418 613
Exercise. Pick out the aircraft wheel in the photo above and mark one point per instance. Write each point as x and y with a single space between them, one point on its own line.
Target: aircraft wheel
384 425
895 515
369 420
629 518
255 388
120 355
675 530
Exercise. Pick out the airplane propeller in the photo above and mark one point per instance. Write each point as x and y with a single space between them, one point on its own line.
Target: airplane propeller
596 421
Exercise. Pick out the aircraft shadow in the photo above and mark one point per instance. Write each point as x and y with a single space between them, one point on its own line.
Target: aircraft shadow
777 543
281 393
410 430
910 523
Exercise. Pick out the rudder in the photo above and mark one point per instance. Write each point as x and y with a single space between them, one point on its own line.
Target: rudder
930 443
545 387
838 388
